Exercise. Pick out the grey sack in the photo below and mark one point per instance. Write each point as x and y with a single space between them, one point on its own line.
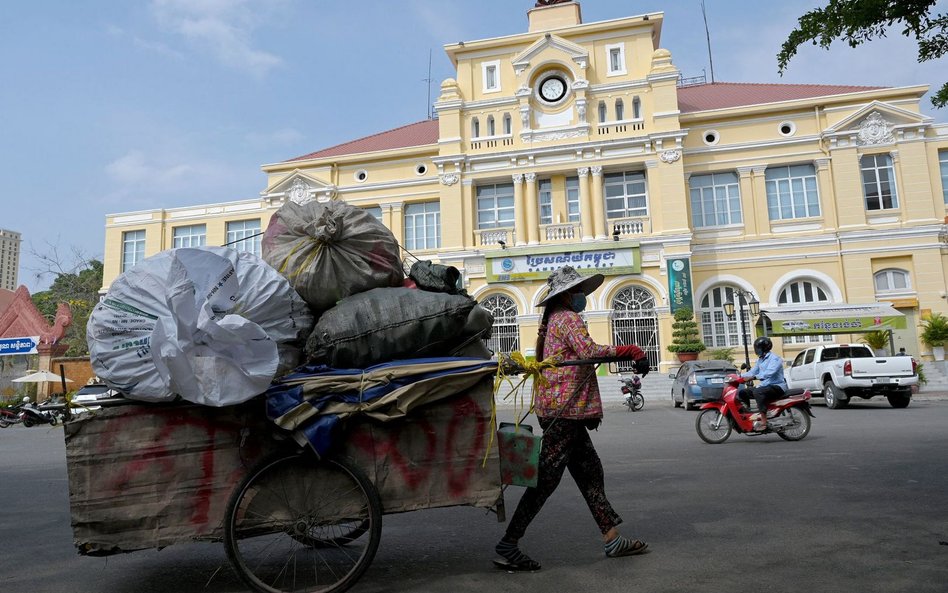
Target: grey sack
387 324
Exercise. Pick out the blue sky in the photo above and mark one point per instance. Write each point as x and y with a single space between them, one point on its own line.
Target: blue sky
119 105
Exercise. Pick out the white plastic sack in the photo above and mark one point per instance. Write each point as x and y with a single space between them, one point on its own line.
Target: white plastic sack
209 324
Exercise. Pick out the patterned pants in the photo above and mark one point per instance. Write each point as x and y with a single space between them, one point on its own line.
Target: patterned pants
566 445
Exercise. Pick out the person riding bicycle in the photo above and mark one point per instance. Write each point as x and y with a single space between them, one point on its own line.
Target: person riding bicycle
769 371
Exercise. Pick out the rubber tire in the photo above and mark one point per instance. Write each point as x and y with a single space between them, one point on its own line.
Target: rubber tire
638 402
834 396
687 405
374 528
805 419
900 400
675 402
27 422
53 420
4 424
710 418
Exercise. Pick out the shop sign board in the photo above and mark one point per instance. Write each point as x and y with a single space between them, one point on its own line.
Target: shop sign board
12 346
679 283
518 265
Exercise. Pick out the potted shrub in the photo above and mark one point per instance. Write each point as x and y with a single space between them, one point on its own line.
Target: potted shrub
877 340
686 342
935 334
721 354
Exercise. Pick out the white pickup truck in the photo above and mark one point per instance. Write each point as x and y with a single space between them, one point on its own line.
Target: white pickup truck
841 372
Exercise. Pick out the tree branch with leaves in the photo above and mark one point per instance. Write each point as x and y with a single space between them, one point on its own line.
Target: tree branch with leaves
859 21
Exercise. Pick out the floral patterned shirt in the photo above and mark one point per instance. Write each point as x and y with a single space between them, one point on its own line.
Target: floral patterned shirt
568 339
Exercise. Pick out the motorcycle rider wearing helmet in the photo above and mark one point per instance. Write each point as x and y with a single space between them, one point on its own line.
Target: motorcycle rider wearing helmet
769 371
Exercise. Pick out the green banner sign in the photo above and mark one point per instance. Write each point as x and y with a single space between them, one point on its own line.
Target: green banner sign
679 284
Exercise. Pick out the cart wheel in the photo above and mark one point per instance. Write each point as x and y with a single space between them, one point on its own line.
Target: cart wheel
295 523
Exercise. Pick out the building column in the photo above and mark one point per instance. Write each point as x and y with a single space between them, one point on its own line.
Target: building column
653 189
748 207
398 222
533 216
760 199
824 184
467 211
386 215
520 214
585 205
598 208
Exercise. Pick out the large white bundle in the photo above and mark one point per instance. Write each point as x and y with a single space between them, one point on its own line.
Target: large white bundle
209 324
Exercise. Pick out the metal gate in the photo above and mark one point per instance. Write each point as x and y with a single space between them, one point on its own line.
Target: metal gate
505 334
634 321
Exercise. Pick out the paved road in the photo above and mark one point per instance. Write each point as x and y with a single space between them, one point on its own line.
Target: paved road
860 505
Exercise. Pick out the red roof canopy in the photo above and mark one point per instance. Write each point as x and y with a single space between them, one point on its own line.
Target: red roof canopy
721 95
700 97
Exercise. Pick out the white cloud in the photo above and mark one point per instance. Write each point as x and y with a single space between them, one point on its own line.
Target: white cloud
152 46
224 27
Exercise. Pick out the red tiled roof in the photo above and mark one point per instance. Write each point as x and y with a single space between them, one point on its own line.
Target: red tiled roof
417 134
721 95
700 97
6 297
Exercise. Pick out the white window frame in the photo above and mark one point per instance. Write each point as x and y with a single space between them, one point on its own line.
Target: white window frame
491 126
485 70
603 112
505 332
475 128
875 169
714 200
422 226
717 329
545 200
194 235
617 49
636 108
502 217
508 124
375 211
627 210
782 192
133 256
620 109
888 276
573 203
943 163
818 295
240 235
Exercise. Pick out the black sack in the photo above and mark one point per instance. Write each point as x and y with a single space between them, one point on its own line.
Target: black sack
435 277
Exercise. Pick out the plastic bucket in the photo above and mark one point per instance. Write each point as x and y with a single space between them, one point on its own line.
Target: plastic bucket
519 454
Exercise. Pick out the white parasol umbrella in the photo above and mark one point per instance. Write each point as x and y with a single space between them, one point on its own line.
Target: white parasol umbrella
40 377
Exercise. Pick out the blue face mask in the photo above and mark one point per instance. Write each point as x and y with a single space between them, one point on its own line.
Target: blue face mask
578 302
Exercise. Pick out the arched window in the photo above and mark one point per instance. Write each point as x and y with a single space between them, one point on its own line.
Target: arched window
508 125
634 321
505 334
620 110
636 108
804 292
602 111
490 125
717 329
892 280
475 128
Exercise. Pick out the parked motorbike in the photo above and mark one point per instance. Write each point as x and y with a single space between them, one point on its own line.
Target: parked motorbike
789 417
32 414
632 388
10 416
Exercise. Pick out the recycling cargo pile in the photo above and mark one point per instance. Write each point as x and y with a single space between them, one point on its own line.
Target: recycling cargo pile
215 327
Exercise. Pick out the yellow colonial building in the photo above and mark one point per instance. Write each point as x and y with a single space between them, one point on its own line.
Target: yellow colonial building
581 143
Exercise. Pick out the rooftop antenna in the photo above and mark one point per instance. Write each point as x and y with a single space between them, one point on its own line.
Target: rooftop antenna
707 34
428 80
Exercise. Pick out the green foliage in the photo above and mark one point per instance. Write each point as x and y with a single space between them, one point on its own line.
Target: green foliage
721 354
921 374
685 336
80 290
934 330
859 21
877 340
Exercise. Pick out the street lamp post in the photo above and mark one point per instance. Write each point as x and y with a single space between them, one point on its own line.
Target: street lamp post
753 305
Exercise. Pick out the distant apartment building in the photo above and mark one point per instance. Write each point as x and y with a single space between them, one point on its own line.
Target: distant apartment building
9 259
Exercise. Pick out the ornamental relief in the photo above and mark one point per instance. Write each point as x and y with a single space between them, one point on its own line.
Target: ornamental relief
299 192
450 178
875 130
670 156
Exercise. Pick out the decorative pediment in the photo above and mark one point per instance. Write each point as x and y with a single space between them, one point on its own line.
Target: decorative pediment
570 50
300 188
877 123
21 318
